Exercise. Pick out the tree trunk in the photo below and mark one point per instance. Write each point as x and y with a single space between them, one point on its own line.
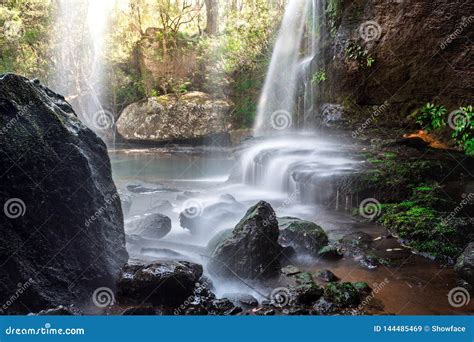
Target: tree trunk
212 13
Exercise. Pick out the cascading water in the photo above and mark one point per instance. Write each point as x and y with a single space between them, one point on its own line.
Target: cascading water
78 57
283 162
290 68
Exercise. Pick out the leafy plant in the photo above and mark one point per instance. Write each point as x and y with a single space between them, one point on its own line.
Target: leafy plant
431 116
318 77
462 121
357 53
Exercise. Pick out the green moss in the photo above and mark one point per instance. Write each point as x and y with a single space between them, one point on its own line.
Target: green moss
342 294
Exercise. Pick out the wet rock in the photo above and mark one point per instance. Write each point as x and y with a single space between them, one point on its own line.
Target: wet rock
304 278
187 195
306 294
160 283
356 239
323 307
146 188
330 252
304 236
264 312
242 299
190 116
296 312
342 294
252 251
362 287
62 223
465 264
290 270
224 306
154 226
196 310
140 311
327 276
59 311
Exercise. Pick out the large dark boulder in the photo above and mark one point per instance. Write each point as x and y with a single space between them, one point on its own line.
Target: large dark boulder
304 236
168 283
62 232
465 264
252 251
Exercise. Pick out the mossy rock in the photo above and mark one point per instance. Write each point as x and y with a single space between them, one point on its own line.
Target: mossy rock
306 294
330 252
218 239
304 236
342 294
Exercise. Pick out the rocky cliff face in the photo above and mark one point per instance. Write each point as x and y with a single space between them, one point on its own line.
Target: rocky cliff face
400 53
194 115
62 232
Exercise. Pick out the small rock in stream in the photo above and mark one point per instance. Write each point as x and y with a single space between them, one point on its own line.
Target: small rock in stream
290 270
154 226
327 276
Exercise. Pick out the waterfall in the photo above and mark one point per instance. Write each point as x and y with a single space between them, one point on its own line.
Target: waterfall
78 56
290 68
